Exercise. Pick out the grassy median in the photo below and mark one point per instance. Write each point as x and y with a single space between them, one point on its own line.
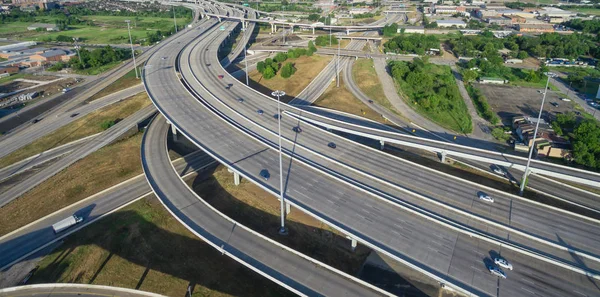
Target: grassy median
343 100
143 247
102 169
88 125
307 68
365 76
124 82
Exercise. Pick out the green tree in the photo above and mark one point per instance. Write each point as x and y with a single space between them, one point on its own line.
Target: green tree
260 66
470 75
268 72
287 70
107 124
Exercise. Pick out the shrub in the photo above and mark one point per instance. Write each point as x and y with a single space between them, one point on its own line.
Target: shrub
107 124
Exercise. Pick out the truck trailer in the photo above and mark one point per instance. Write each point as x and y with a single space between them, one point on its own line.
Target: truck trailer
66 223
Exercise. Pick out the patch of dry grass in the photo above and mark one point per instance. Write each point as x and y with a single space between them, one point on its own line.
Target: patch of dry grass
100 170
259 210
143 247
124 82
343 100
88 125
364 75
307 68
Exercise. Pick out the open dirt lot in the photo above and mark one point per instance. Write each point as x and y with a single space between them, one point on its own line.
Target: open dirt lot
508 101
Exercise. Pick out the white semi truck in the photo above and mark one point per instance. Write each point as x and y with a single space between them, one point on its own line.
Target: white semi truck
66 223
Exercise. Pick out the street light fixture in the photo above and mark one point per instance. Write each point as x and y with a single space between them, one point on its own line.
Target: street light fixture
132 52
174 19
282 228
77 49
246 62
524 178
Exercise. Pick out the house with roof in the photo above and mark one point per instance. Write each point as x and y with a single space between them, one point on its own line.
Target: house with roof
48 56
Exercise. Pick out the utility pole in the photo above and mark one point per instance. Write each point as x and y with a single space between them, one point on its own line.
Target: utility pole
132 51
246 62
337 67
174 19
77 49
525 174
282 229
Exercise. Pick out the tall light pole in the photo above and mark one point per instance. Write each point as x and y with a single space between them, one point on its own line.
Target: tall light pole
329 30
174 19
282 229
337 67
246 62
132 52
77 49
524 178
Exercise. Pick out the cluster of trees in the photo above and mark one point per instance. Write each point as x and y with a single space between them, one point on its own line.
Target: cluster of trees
480 67
364 15
323 40
517 5
390 30
429 25
587 26
434 89
552 45
154 11
482 105
412 44
269 67
99 57
584 135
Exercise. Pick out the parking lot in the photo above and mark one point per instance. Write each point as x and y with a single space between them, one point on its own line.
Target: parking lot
509 101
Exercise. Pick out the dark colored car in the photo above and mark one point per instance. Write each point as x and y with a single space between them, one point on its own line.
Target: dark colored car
370 101
331 145
240 100
35 121
265 174
297 129
74 115
276 116
260 111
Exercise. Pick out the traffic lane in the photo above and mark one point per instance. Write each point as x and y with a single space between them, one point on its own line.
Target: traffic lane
68 290
39 159
48 125
420 180
192 118
107 137
300 274
33 236
194 63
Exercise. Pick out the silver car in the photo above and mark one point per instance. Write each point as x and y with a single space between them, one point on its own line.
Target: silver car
496 271
499 170
486 197
503 263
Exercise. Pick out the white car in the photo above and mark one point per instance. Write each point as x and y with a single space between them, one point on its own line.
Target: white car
503 263
565 99
496 271
499 170
486 197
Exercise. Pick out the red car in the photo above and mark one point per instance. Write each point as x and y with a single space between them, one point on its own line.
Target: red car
221 76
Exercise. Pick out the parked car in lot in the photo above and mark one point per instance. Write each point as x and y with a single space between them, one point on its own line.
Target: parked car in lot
485 197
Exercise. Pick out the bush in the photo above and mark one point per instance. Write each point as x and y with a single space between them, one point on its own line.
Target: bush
57 67
499 134
323 40
107 124
269 72
412 44
260 66
482 105
287 70
280 57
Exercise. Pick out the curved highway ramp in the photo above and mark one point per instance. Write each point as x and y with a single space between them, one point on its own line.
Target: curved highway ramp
280 264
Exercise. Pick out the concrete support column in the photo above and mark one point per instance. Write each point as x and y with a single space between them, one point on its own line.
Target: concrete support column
313 30
292 27
353 243
382 144
347 31
236 177
288 208
173 130
219 19
272 28
443 156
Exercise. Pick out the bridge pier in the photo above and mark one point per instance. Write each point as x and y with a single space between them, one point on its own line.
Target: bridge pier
382 144
442 156
173 130
219 18
313 30
347 31
272 28
236 177
353 243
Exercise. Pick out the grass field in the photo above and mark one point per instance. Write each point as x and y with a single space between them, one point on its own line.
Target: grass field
94 173
343 100
108 29
307 68
365 76
88 125
586 10
124 82
12 77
